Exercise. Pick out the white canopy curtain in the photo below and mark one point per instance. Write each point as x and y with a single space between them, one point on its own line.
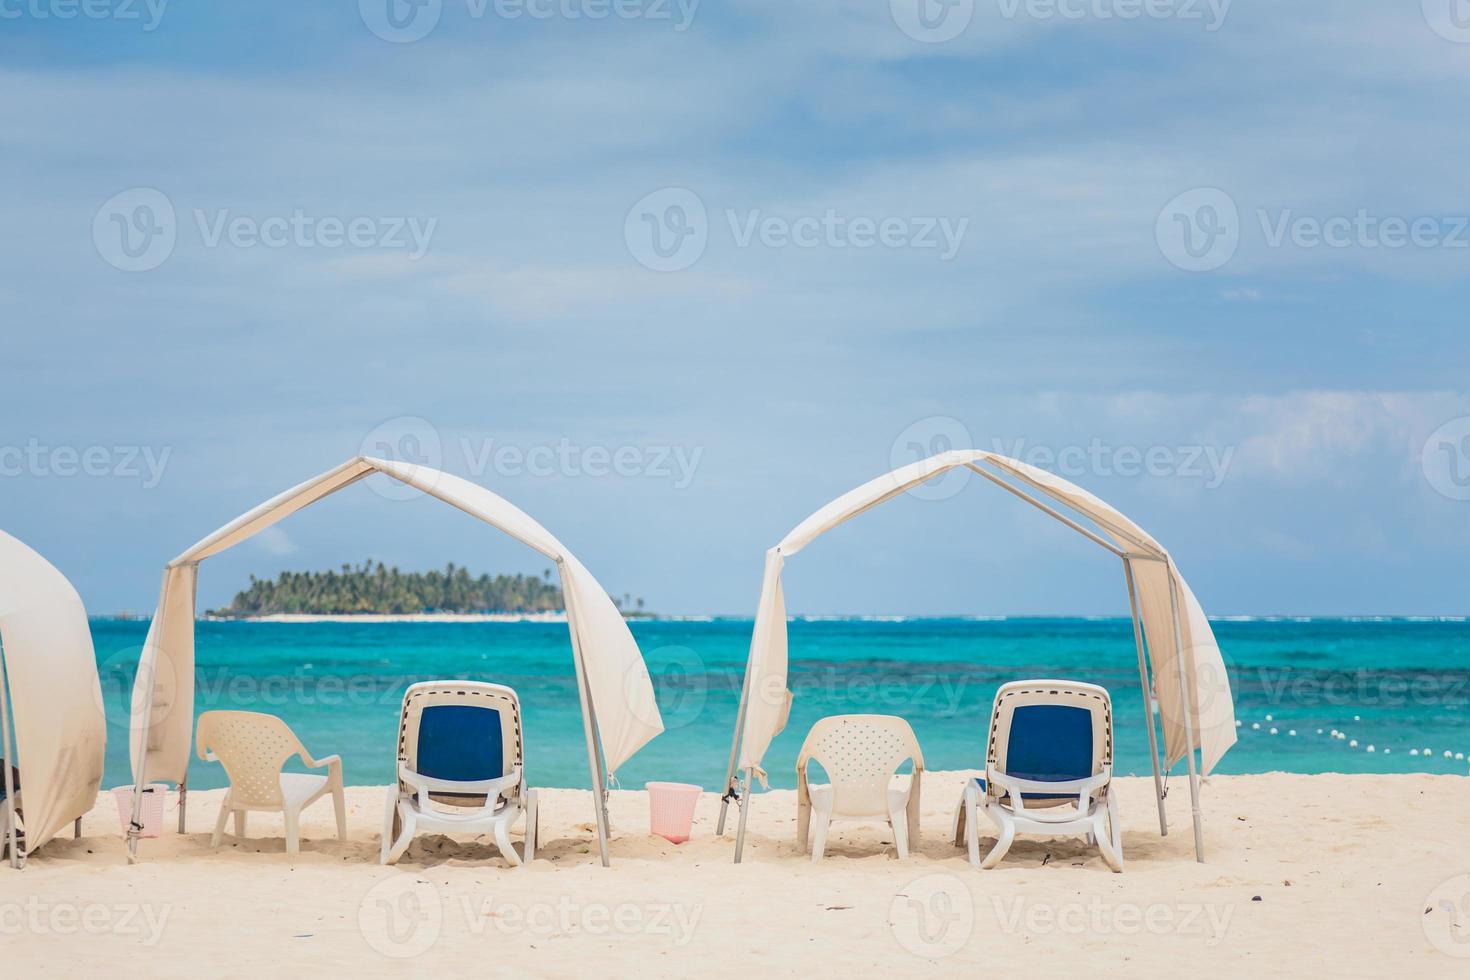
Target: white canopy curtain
619 712
49 689
1167 620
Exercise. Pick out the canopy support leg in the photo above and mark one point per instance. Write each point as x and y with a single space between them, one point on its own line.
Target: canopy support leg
603 791
589 728
594 763
1094 538
183 801
744 815
141 766
1185 698
5 749
1148 711
731 785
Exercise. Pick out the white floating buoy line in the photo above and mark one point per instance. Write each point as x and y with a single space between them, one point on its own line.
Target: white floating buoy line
1341 736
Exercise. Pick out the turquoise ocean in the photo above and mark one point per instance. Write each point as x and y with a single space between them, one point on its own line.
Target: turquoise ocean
1396 684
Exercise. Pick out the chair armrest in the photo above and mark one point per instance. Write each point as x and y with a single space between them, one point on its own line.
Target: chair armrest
326 760
1015 786
492 788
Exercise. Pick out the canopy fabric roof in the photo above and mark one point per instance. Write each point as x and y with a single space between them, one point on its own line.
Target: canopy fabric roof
1212 709
626 713
55 697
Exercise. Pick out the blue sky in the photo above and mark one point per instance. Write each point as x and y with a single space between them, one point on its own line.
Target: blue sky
1231 236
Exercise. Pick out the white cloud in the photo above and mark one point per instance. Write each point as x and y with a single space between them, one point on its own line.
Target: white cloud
1333 435
275 542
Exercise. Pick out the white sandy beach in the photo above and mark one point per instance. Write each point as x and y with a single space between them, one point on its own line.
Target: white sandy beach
1307 874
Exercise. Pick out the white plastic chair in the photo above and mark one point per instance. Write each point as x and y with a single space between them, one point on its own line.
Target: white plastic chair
861 754
253 747
1048 771
461 767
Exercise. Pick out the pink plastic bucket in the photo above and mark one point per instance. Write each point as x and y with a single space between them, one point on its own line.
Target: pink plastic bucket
155 795
671 809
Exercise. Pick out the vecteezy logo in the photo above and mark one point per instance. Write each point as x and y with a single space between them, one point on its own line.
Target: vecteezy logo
1450 19
1446 459
401 916
680 682
933 916
1447 916
117 676
930 437
1199 230
400 21
667 230
135 230
932 21
1212 681
406 439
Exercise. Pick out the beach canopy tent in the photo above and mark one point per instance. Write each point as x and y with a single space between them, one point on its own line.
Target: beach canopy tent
1171 632
619 712
49 690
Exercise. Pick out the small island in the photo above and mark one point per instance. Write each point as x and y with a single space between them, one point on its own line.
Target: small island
374 591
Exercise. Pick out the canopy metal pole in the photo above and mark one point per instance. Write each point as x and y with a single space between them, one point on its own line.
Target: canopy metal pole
1106 525
150 666
13 833
605 792
731 787
600 797
184 783
744 814
1184 699
1148 711
584 693
140 778
1095 538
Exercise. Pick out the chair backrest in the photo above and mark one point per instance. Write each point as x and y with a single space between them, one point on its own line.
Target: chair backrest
860 754
252 747
461 731
1050 731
